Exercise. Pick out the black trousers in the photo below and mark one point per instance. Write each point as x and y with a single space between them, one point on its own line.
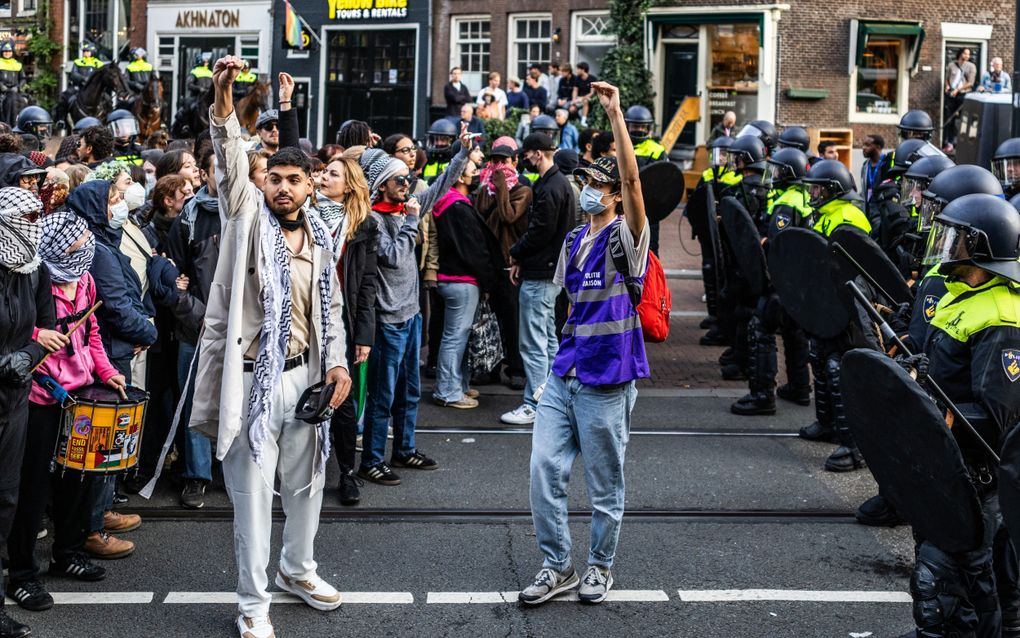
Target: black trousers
506 306
12 450
71 492
343 426
437 314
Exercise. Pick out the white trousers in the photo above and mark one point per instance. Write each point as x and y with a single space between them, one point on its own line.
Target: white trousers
289 452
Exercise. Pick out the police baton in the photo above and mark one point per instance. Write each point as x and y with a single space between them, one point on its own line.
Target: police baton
889 334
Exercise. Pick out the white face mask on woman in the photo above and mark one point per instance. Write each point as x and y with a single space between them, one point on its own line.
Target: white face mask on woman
120 214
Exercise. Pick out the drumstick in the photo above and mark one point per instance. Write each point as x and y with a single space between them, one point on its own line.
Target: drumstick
74 327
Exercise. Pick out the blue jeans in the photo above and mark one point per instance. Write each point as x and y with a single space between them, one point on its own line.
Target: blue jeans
452 374
537 332
595 422
393 390
197 447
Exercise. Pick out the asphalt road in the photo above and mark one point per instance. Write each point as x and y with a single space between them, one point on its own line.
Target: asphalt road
732 529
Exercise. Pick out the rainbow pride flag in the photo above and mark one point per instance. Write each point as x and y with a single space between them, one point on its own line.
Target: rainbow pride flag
292 27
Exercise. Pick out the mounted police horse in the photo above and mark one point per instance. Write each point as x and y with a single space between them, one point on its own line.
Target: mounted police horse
193 117
148 108
250 106
96 98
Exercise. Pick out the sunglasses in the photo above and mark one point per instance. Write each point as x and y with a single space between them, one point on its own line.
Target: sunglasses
401 180
270 126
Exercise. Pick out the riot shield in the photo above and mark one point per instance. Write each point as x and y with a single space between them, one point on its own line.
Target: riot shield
910 451
745 241
871 258
662 188
799 268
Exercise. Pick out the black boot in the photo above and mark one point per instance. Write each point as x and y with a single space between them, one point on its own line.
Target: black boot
818 432
349 492
800 396
714 338
708 323
754 404
727 356
845 459
10 628
733 372
877 511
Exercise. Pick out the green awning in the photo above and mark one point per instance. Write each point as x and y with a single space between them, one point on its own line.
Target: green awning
911 31
694 19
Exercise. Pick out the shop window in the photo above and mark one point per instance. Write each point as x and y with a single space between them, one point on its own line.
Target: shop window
5 8
530 43
732 74
167 48
27 7
250 50
472 38
592 39
106 23
879 76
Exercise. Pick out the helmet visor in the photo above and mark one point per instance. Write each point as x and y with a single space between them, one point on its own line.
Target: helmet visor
1007 171
124 128
750 130
948 244
40 130
912 189
818 195
718 156
926 213
776 174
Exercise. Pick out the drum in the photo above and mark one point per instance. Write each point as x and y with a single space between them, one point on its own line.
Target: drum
102 432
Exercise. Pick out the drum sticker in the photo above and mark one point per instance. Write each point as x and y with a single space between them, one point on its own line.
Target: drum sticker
82 425
77 451
1011 363
930 303
123 420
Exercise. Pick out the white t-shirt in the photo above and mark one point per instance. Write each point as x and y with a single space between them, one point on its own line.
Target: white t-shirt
636 251
499 95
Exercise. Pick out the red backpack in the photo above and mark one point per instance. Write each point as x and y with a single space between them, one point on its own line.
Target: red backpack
652 300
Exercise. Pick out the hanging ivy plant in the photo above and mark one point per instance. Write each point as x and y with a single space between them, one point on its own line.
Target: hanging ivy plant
40 49
624 64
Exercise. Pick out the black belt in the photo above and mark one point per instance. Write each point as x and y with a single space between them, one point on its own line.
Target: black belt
289 364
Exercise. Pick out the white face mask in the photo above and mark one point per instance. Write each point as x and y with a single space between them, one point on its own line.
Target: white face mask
120 214
134 196
591 200
150 183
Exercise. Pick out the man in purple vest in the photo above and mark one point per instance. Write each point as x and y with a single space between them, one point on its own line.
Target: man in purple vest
586 404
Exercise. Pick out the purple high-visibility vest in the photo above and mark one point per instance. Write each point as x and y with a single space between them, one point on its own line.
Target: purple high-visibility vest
602 339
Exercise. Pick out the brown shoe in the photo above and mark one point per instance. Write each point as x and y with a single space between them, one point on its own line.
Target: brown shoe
102 545
114 522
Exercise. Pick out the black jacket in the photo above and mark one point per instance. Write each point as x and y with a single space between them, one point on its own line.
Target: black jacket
466 246
194 245
550 217
360 258
27 303
454 98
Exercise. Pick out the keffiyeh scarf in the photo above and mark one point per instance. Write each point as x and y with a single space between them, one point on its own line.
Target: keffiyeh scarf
59 232
274 269
19 237
334 215
485 176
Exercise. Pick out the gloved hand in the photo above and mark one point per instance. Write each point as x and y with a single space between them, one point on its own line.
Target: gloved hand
16 367
899 320
915 365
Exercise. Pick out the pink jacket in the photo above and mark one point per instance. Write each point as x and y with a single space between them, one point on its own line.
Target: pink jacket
80 369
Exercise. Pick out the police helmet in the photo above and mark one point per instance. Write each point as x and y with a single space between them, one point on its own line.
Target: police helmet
827 180
441 135
786 166
88 47
718 150
908 152
7 46
979 230
246 65
545 124
763 130
122 123
916 124
915 181
639 122
84 123
795 137
952 184
1015 200
747 153
140 52
1006 163
35 120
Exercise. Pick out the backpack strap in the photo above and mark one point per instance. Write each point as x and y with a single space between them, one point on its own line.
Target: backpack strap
572 237
619 257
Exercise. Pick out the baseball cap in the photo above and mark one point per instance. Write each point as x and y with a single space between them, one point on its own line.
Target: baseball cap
538 142
604 169
505 146
272 115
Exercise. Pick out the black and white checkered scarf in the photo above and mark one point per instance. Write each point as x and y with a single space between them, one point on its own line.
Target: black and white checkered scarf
274 269
19 237
59 232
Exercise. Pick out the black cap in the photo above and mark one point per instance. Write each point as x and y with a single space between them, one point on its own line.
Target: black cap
604 169
566 160
313 406
538 142
503 150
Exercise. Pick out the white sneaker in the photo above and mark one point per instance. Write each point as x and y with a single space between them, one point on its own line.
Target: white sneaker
317 593
523 415
257 627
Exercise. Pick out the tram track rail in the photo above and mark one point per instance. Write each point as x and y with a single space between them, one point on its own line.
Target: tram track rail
644 431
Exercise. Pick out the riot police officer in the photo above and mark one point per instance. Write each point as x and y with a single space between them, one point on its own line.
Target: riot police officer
764 131
439 146
795 137
200 79
789 207
903 234
82 69
139 73
885 212
84 123
1006 166
834 202
639 127
915 124
971 352
124 127
541 124
36 121
12 79
244 82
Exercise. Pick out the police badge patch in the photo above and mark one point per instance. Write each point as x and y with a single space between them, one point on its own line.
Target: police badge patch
1011 363
930 303
782 221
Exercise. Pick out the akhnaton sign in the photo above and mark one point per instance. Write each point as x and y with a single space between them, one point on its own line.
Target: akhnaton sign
209 19
367 9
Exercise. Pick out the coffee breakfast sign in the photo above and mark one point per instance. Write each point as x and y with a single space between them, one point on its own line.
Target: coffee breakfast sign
367 9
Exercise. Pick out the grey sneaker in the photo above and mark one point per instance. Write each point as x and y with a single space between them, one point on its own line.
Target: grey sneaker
548 583
596 585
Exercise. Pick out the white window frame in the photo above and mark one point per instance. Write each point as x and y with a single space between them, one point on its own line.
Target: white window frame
22 11
902 88
577 39
474 80
511 40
